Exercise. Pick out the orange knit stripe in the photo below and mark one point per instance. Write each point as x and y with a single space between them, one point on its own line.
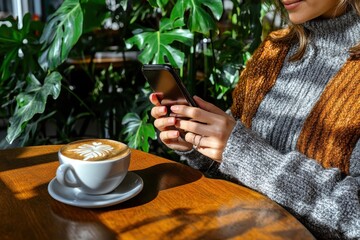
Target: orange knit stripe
333 126
257 79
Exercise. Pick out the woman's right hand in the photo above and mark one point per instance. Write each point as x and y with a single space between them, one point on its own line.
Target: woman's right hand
169 134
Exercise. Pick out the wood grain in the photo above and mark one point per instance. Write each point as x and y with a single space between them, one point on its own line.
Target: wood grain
177 202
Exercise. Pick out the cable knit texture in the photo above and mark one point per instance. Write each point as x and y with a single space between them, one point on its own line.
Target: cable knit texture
297 135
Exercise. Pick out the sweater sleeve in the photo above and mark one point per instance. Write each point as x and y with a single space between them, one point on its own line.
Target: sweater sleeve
196 160
324 200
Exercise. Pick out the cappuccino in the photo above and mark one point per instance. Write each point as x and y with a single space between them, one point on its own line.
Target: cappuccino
95 150
93 166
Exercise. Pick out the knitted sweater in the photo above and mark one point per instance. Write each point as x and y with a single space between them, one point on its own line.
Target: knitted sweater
296 139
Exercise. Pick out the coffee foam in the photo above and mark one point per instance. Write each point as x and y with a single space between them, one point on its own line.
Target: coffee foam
95 150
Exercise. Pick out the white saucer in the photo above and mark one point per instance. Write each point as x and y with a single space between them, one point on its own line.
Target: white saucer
130 187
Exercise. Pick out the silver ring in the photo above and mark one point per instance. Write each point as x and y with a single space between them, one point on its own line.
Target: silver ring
193 140
198 145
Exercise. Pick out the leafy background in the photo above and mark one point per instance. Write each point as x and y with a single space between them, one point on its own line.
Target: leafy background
53 90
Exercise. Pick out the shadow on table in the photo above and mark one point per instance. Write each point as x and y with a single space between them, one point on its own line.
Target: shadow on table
187 221
160 177
11 163
82 225
31 215
156 178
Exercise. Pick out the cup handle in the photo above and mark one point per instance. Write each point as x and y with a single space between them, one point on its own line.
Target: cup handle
63 177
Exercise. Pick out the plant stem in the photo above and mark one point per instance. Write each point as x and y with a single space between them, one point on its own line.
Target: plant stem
79 99
191 68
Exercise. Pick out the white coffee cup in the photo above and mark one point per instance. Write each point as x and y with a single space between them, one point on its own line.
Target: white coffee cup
94 166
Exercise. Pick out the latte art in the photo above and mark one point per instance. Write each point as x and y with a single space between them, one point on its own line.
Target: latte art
97 149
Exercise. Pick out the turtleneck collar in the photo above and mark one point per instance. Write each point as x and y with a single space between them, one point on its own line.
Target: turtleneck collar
335 35
350 21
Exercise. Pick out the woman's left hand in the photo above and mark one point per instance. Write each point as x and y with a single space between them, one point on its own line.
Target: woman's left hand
208 129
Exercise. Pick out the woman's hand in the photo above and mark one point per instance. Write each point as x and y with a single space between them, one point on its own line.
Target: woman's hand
209 128
169 135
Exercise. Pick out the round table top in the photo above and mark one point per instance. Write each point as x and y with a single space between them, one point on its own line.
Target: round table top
176 202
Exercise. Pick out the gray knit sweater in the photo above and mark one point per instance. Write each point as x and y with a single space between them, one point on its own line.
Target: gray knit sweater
265 157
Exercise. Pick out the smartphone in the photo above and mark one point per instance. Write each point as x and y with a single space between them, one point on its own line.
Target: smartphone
163 78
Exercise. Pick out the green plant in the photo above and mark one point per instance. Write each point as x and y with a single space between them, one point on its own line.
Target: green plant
36 80
31 58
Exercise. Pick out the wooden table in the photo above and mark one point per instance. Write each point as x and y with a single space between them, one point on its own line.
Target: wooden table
177 202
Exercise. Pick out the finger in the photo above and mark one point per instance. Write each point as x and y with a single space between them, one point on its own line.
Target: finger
163 124
205 145
158 112
155 98
171 114
191 137
173 140
202 141
204 123
208 106
194 113
196 140
197 127
169 135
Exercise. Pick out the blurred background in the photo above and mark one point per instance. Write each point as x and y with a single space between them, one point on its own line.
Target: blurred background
39 9
71 69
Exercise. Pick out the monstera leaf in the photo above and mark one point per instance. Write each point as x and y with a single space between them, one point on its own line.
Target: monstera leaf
155 45
95 12
199 18
32 101
138 131
17 45
61 33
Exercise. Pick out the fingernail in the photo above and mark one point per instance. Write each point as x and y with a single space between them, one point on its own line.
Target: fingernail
174 108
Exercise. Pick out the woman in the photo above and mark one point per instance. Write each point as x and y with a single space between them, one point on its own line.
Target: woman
293 133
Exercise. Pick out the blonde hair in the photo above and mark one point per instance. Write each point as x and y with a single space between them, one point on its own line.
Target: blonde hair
299 34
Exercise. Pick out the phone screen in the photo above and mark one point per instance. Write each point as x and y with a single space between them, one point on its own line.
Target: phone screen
163 78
